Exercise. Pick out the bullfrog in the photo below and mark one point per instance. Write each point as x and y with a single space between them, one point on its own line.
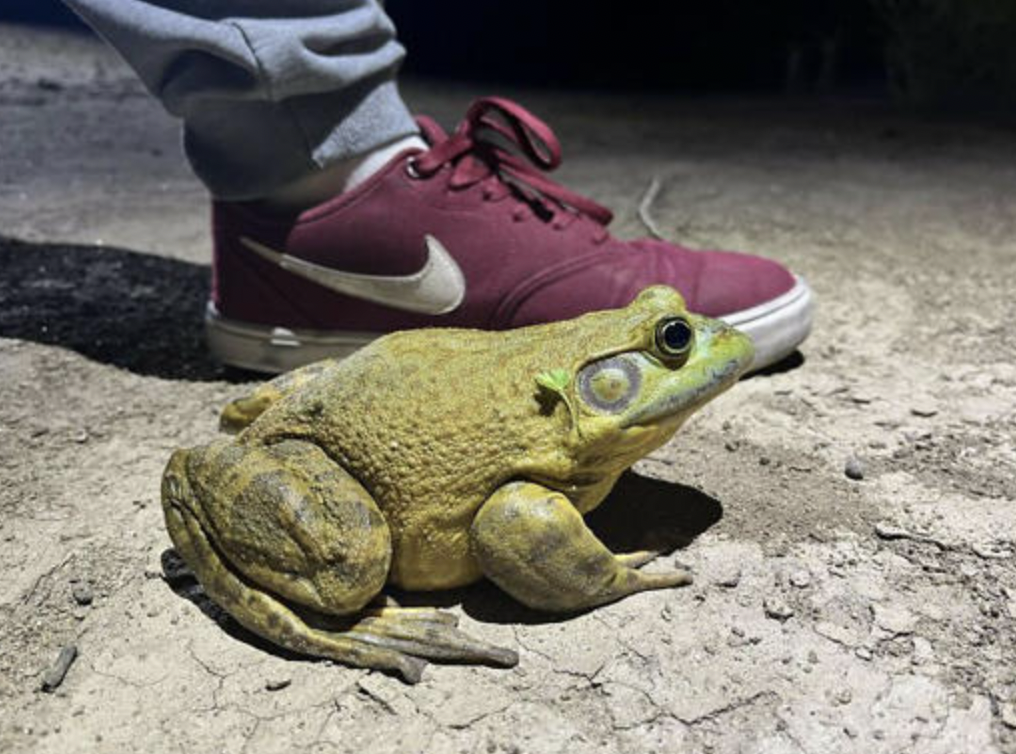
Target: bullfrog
431 459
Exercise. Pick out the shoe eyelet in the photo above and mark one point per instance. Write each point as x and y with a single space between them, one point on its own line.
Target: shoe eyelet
412 171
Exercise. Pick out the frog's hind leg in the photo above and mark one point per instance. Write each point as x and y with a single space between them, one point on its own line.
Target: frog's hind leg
294 549
268 617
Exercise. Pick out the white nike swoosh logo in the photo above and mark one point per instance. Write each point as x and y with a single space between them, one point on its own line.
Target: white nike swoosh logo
437 288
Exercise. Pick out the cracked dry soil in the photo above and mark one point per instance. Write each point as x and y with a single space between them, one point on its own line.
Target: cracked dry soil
829 614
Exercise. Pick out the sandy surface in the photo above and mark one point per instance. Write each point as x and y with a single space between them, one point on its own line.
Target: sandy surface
828 614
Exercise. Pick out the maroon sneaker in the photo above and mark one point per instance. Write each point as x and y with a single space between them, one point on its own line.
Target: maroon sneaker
464 234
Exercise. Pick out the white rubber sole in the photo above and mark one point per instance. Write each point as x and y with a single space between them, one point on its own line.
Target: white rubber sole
275 349
776 327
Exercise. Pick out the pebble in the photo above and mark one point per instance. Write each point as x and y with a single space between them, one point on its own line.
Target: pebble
777 609
729 578
895 620
854 468
277 684
1008 714
53 677
82 594
863 653
801 578
924 410
923 651
844 697
49 85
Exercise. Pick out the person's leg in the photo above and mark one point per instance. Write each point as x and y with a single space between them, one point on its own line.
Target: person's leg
277 98
379 230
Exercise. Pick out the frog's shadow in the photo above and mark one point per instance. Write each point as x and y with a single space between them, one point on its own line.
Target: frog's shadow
640 513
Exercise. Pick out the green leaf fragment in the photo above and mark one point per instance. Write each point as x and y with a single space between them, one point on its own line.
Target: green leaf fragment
555 380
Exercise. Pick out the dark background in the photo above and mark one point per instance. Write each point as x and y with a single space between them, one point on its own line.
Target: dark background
924 52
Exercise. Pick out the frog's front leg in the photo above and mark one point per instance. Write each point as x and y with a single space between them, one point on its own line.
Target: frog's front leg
534 544
294 549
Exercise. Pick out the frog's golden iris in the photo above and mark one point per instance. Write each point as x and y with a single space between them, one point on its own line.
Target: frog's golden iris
431 459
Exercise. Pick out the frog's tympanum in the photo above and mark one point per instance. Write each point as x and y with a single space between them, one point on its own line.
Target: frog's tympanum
433 458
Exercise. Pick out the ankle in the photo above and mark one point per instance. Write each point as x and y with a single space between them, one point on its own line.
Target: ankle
337 178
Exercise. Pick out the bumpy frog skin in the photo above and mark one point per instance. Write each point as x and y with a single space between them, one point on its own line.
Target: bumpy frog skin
431 459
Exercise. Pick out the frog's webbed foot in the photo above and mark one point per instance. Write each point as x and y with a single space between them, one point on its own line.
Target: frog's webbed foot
534 544
420 632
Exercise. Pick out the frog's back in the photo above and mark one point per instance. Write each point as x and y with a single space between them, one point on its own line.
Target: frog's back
430 423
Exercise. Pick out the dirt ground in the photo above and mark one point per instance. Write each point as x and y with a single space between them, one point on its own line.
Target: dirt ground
829 614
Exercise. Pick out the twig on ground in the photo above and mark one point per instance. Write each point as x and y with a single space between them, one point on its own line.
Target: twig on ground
645 205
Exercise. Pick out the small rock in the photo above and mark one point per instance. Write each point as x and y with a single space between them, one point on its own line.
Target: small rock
277 684
850 731
1008 714
895 620
801 578
888 531
729 577
764 461
82 593
777 609
924 410
53 677
863 653
854 468
923 651
812 657
80 436
844 697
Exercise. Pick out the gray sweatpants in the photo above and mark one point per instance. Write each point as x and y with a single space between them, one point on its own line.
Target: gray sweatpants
268 90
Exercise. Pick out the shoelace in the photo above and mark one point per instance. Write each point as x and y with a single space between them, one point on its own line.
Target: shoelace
476 157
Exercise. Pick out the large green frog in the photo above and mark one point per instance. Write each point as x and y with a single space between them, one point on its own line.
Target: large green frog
433 458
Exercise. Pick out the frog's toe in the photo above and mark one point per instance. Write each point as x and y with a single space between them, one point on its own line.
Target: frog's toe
422 614
639 558
430 634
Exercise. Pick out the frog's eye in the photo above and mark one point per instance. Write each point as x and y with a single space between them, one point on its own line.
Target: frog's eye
674 337
609 385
